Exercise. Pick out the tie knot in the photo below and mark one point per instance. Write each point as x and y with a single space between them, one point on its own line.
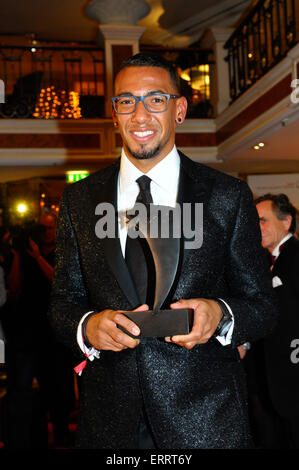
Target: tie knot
144 196
144 183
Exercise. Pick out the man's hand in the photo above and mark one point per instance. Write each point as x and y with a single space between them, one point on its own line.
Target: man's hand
242 352
207 315
102 331
33 250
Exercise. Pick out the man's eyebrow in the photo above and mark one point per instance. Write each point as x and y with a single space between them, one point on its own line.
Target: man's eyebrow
152 92
156 92
125 93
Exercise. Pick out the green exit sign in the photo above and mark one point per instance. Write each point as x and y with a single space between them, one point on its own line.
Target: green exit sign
72 176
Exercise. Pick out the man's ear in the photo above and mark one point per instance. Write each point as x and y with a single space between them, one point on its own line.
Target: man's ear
181 109
287 222
114 118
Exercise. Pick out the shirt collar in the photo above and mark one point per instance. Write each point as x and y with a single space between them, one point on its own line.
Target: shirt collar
165 174
276 250
128 173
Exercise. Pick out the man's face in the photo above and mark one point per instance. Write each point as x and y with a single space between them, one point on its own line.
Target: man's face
273 229
49 224
145 135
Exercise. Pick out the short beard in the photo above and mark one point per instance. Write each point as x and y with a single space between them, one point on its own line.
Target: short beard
145 154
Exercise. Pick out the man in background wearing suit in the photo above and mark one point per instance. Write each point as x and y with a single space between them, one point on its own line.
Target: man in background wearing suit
278 225
183 391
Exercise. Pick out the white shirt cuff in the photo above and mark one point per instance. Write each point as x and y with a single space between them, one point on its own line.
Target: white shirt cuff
90 353
226 340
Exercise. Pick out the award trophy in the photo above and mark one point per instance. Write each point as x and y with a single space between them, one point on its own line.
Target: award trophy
166 253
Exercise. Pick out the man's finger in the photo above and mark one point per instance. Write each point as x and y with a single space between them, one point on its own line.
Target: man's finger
127 324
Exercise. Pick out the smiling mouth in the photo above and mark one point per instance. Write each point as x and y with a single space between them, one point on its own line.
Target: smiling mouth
142 134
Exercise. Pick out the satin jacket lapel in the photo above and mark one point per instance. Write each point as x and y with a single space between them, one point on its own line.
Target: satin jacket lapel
112 248
194 187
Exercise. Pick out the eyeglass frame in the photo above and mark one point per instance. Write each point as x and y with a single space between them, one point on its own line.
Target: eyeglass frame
142 98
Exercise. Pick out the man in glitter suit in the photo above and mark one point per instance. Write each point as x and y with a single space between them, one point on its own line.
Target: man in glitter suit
182 391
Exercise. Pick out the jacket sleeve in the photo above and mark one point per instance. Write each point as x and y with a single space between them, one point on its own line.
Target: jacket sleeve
253 301
69 299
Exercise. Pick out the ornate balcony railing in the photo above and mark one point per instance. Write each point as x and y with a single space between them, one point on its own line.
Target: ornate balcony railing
32 74
260 42
46 81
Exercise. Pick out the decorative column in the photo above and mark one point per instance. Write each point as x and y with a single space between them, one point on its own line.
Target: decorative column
119 32
214 39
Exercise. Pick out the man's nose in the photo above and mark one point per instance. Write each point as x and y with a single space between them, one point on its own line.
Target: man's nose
140 113
262 228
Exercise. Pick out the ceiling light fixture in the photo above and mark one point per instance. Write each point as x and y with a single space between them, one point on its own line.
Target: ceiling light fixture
259 146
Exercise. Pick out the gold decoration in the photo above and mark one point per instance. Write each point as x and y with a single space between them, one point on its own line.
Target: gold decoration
57 104
70 108
48 103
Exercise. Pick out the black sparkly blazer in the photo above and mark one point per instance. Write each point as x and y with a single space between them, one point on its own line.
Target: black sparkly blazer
193 398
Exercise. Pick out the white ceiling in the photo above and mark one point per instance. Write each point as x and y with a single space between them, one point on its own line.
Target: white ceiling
170 23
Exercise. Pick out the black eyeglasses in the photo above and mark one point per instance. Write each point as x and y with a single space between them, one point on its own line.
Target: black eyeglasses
153 102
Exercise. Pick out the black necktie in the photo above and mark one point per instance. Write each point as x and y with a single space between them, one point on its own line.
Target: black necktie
144 195
138 256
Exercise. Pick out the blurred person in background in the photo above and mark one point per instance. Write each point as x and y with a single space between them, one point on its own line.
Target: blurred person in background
40 377
278 225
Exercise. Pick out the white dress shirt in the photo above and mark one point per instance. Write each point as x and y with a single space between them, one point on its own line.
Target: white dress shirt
164 189
276 250
164 186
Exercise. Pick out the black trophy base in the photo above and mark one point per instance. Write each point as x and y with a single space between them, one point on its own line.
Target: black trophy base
161 323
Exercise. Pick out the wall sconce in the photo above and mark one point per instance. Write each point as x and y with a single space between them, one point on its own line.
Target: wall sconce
198 78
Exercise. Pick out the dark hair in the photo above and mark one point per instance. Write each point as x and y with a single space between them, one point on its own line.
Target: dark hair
152 60
281 206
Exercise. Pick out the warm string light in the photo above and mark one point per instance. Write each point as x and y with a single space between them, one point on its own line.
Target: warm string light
47 104
70 108
53 104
